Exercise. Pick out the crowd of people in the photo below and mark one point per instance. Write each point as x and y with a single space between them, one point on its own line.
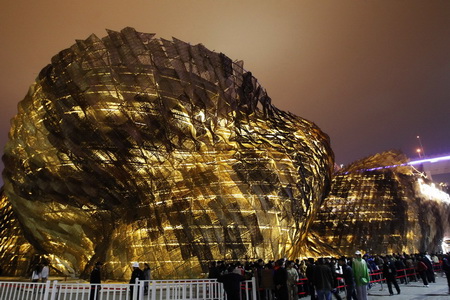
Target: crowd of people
319 279
40 272
137 273
290 280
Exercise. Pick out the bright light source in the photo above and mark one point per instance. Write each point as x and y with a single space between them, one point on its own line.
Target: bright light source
431 191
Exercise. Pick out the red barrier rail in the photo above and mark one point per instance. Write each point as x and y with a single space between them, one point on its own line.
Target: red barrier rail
378 274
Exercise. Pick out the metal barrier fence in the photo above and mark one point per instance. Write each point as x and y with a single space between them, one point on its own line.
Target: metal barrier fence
24 291
190 289
208 289
405 276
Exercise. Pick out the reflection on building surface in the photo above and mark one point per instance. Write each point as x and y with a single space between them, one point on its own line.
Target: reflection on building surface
133 148
383 210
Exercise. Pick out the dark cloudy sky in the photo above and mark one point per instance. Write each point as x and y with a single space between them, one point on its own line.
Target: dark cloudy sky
371 74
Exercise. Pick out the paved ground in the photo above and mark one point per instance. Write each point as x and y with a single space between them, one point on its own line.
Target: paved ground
413 291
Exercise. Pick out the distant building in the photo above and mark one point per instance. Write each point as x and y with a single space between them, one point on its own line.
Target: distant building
383 210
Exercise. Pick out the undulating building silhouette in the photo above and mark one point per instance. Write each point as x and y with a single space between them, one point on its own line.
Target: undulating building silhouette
135 148
380 205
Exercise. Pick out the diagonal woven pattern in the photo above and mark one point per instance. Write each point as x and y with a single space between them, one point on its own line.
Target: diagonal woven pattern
133 148
383 211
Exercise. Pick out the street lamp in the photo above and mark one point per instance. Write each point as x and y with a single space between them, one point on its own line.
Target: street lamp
421 147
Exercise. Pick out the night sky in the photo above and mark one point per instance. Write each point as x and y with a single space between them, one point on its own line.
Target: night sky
373 75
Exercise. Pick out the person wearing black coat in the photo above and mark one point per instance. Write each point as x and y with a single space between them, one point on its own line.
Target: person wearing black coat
430 271
349 279
214 271
390 272
323 279
95 280
232 284
400 266
280 278
136 274
332 265
446 269
309 275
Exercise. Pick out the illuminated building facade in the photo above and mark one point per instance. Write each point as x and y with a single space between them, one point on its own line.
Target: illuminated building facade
383 210
133 148
16 253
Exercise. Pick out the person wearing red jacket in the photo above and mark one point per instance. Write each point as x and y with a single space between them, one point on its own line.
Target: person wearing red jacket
422 269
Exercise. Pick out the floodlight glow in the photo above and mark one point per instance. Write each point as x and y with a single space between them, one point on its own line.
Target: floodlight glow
411 163
432 192
429 160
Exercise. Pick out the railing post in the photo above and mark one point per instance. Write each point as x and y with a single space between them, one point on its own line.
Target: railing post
254 289
46 289
135 288
221 291
184 290
152 287
142 289
381 281
54 290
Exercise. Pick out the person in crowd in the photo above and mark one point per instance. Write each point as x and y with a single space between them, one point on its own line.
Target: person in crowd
36 274
221 267
213 270
409 265
232 283
95 280
292 280
378 261
302 269
147 272
361 274
422 269
280 278
401 268
389 273
136 274
297 264
147 277
238 269
349 279
446 269
430 270
310 266
45 272
267 284
371 264
435 259
427 255
331 263
323 280
258 268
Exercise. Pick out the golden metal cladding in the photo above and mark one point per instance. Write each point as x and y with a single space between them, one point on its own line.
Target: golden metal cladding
382 211
136 148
